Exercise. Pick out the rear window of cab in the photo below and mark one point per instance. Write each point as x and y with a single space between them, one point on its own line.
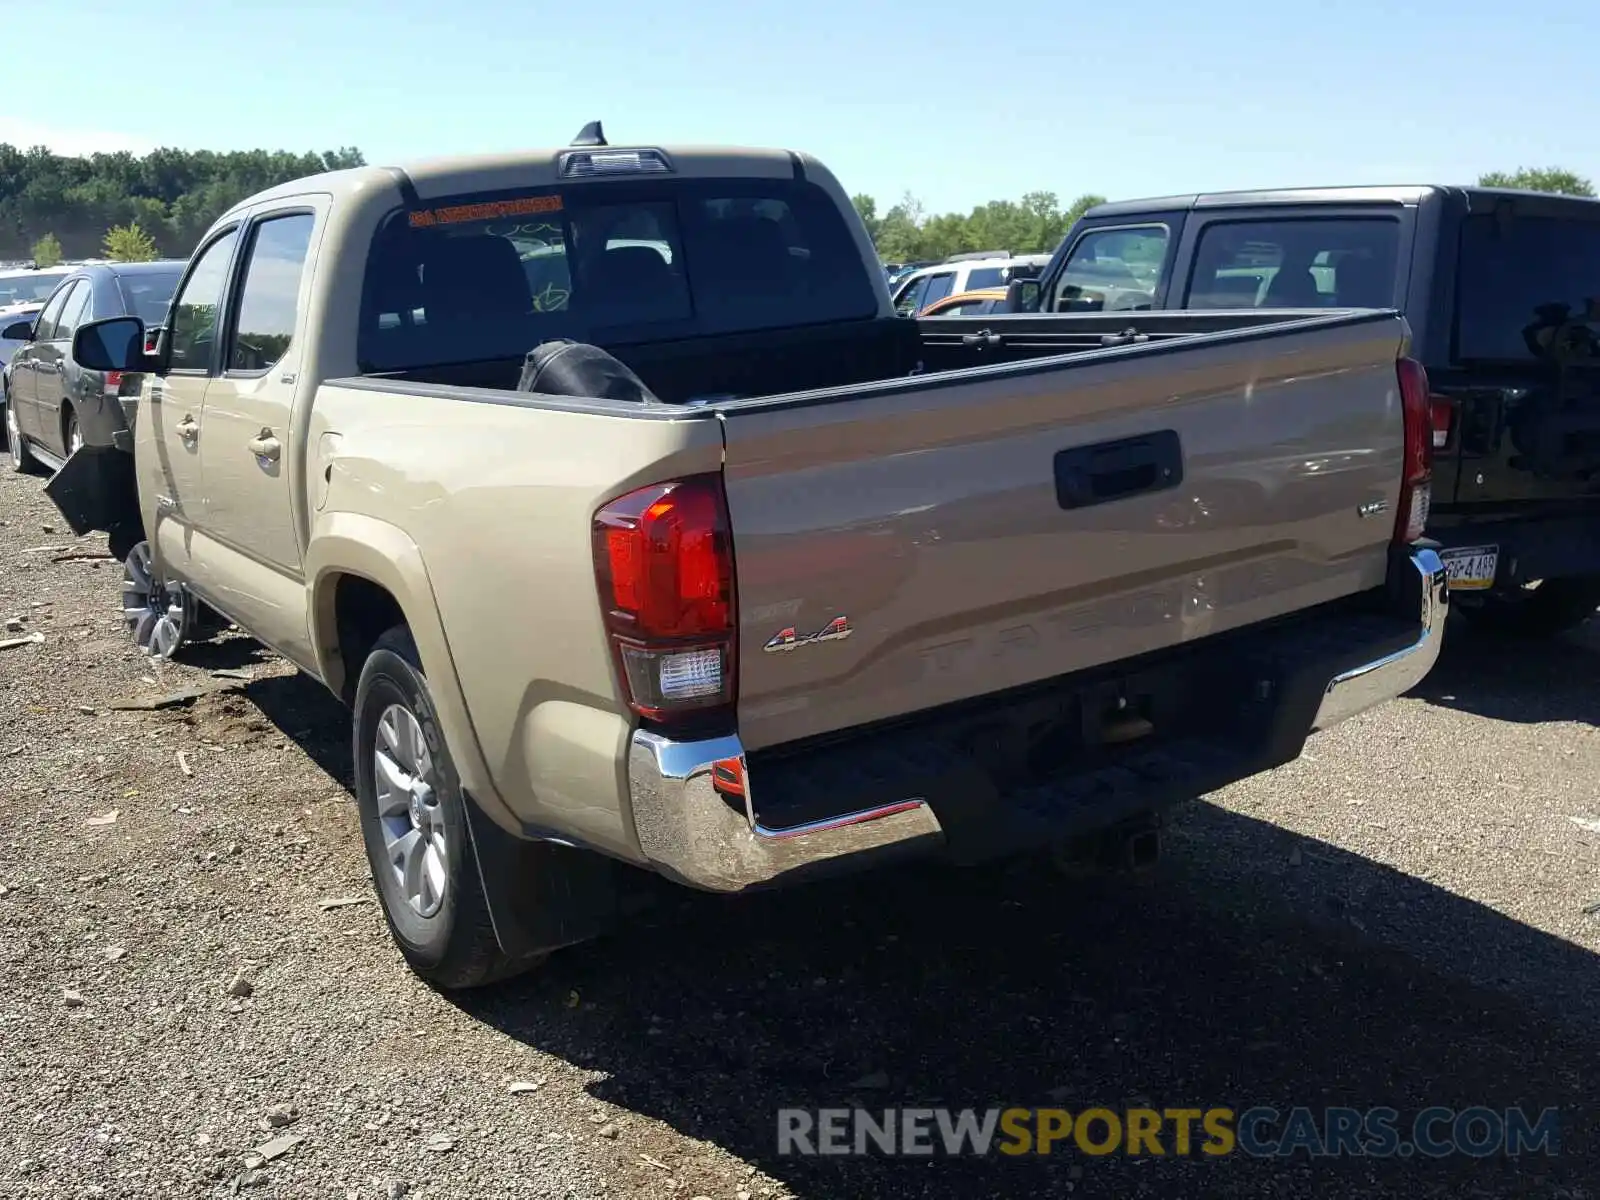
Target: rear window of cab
483 277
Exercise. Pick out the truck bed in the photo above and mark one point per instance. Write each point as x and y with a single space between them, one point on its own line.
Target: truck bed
796 361
1046 495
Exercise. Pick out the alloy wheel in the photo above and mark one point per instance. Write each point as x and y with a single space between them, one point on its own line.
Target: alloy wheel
156 613
416 839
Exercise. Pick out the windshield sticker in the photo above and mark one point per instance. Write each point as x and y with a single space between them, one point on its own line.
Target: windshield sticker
456 215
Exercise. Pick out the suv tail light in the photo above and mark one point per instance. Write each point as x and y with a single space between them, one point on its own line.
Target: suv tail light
1416 482
1443 415
664 562
113 383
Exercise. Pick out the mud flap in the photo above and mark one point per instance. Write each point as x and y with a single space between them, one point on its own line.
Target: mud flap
96 489
541 895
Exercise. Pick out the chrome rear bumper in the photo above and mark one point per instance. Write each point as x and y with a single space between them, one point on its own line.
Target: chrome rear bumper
695 834
1362 687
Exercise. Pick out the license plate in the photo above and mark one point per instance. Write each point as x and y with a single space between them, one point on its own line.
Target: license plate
1471 568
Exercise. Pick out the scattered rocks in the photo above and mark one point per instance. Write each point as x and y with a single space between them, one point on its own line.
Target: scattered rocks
440 1143
115 953
109 818
14 625
609 1130
240 986
72 999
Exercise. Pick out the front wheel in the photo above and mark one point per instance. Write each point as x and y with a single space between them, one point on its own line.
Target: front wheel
1541 609
159 615
414 825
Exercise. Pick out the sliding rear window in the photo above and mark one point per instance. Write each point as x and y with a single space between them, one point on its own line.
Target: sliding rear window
1517 279
491 276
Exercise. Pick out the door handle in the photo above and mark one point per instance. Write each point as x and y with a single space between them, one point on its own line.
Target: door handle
264 445
188 429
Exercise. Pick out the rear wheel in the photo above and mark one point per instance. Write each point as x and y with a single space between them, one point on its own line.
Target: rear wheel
71 434
414 825
1542 608
22 459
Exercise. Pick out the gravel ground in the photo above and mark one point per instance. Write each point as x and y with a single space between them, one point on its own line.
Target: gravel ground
1398 919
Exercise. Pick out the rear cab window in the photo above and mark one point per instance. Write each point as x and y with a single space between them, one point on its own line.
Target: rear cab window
485 277
1109 269
1301 262
1519 279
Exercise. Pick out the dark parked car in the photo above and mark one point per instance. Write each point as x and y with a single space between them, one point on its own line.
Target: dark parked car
54 405
1502 293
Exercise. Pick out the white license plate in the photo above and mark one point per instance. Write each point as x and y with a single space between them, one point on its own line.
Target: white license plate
1471 568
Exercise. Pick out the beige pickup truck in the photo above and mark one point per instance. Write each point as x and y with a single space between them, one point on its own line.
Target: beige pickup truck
637 531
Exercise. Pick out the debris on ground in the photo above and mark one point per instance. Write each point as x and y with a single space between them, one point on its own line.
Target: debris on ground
280 1116
340 902
171 700
109 818
276 1148
240 986
32 639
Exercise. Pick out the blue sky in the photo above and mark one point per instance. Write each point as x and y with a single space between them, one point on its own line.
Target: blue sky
958 102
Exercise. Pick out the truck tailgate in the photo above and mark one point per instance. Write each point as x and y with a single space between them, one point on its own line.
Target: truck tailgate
929 541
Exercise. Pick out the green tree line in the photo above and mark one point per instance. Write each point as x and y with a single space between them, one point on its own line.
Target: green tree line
1037 223
1033 225
169 196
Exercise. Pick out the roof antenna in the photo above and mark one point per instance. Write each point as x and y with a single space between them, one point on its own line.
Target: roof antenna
591 135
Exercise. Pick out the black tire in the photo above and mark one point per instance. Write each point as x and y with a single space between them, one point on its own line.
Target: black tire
1552 608
454 947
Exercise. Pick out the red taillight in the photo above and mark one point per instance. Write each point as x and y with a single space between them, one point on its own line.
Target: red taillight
664 562
1416 490
1443 415
113 384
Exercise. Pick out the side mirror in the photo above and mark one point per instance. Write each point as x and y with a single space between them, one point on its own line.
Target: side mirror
1022 295
115 344
18 331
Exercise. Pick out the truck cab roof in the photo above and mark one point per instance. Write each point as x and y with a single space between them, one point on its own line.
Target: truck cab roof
433 178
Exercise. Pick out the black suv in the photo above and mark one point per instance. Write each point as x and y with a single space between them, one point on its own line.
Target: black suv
1502 293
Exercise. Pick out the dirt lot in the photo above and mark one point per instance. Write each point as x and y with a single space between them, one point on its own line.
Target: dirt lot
1398 919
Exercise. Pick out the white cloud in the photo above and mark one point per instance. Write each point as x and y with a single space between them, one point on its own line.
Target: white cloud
24 134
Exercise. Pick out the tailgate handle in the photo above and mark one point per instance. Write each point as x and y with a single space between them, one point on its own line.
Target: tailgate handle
1105 471
983 338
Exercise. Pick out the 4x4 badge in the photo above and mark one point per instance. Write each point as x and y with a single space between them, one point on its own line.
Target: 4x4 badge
835 630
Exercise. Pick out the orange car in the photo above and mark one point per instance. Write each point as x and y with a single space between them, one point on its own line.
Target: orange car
967 304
